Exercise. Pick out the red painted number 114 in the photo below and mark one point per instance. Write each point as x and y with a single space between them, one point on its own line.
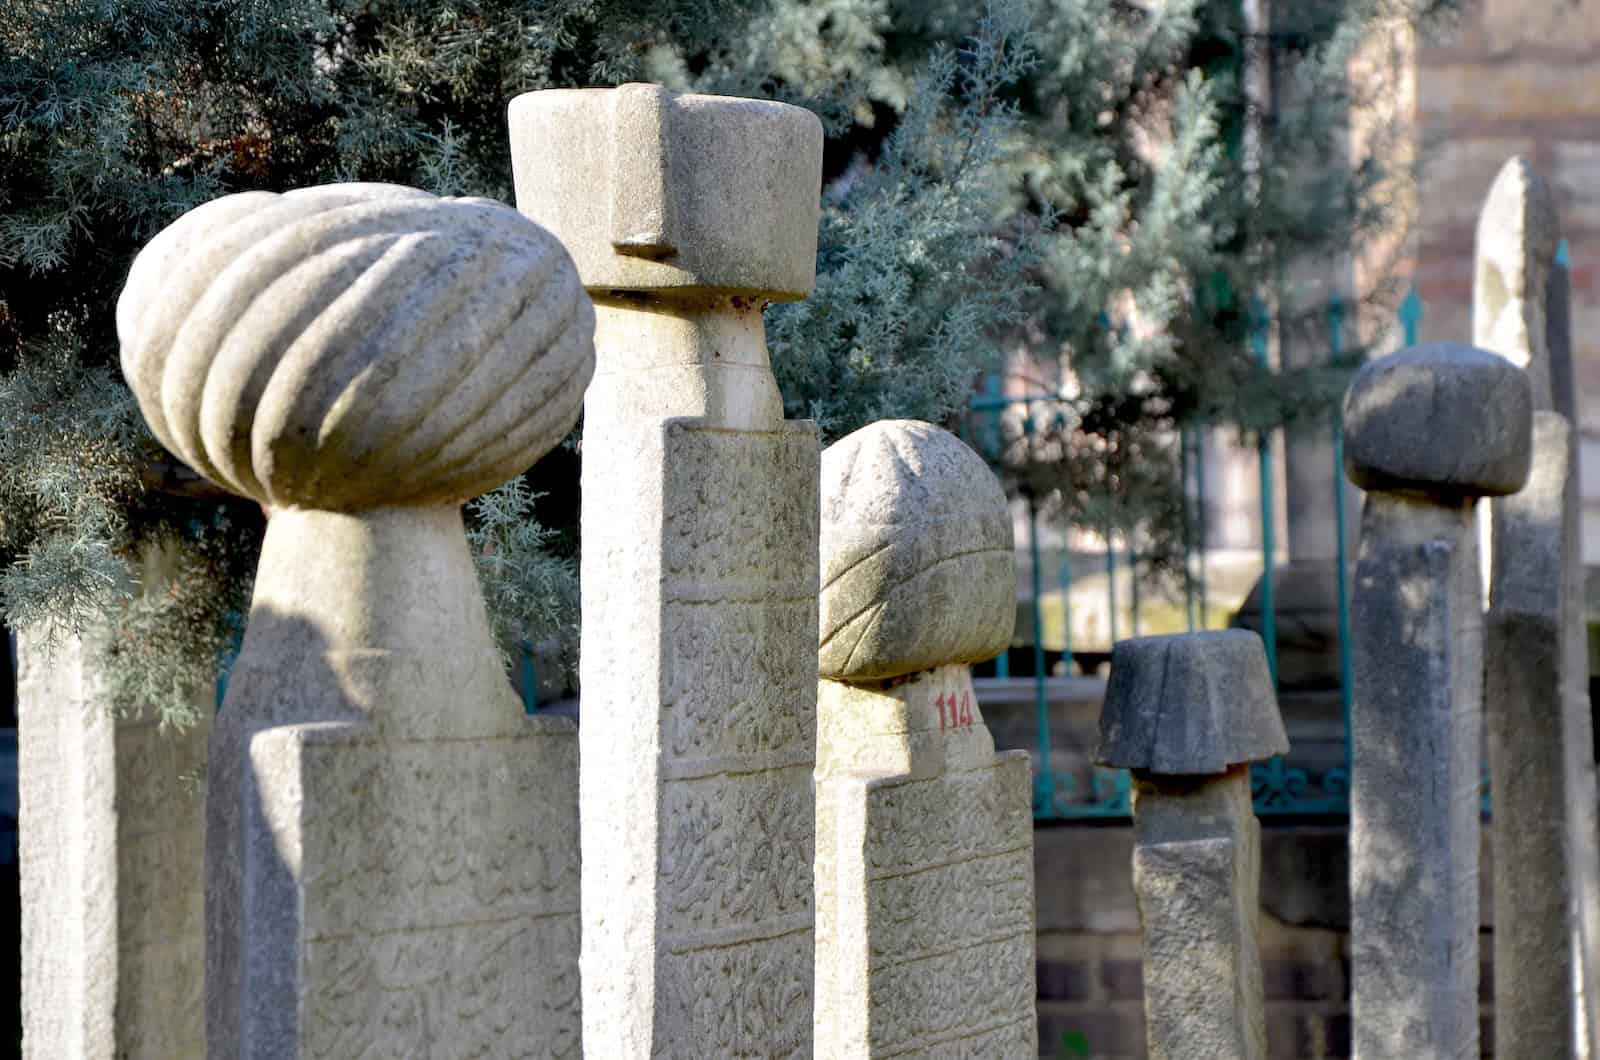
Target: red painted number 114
954 714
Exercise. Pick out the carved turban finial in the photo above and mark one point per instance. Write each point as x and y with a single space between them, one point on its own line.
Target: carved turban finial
356 345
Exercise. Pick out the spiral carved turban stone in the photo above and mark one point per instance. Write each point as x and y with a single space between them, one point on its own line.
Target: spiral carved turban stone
917 567
356 345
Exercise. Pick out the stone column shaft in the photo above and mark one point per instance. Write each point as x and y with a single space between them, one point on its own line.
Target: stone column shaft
1428 431
699 602
1417 649
1197 877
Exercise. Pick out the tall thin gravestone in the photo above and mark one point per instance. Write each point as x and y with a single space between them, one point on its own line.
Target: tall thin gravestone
112 843
924 868
390 842
1188 713
686 215
1428 431
1536 699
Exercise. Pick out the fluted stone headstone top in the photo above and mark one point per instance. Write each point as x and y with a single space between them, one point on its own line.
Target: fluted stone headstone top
917 563
1189 704
1443 419
349 346
659 191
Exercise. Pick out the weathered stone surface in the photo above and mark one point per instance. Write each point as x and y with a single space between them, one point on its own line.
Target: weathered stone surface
390 842
1516 249
699 564
1536 652
1188 713
1197 872
357 725
1536 702
917 562
1417 639
112 839
1189 703
924 876
1440 419
656 191
352 345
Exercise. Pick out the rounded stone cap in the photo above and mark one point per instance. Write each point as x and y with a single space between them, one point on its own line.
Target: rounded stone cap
653 191
1444 419
356 345
917 564
1190 704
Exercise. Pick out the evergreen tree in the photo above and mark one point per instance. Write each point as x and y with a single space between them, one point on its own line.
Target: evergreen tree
1061 180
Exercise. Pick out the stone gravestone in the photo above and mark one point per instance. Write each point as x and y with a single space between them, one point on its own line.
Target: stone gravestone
391 861
112 842
924 868
1536 699
1428 431
686 215
1188 713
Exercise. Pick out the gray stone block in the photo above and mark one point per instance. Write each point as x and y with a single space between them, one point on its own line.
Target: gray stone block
1445 419
1190 703
1196 871
1542 774
1416 746
924 870
112 841
917 563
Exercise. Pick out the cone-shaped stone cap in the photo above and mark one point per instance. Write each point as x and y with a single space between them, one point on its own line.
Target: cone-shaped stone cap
1444 419
917 565
1190 704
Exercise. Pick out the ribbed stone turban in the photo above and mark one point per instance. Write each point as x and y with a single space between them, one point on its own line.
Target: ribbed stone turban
356 345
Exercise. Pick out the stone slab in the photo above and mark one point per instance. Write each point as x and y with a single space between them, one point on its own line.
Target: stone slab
1547 874
924 876
699 690
432 881
112 839
1196 872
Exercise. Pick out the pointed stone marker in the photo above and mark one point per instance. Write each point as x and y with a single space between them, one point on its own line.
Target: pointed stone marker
924 868
1428 431
390 841
686 214
1188 713
1536 699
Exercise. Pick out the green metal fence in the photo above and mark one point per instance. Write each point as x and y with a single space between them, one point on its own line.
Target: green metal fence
1281 786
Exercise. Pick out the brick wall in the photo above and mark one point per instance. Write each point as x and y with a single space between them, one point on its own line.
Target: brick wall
1090 989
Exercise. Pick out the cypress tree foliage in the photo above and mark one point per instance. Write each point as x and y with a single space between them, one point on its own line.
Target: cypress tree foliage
1060 179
